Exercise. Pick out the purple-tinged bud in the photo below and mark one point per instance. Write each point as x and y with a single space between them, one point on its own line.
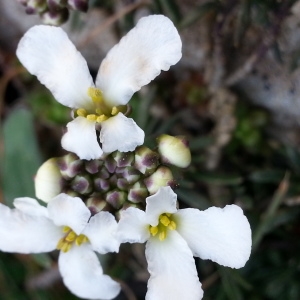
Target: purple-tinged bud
146 160
95 204
35 6
123 159
103 173
48 181
93 166
81 184
174 150
81 5
113 180
55 18
116 198
55 5
70 165
101 185
138 193
131 174
110 164
161 177
122 184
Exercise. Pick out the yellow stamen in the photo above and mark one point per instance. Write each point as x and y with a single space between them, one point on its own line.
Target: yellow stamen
71 236
162 235
164 220
91 117
95 94
99 111
114 111
81 239
153 230
66 229
81 112
101 118
172 225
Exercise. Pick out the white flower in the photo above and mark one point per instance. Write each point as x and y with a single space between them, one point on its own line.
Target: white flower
153 45
174 236
65 224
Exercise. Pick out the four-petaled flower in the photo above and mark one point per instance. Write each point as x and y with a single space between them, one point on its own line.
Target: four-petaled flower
66 224
153 45
174 236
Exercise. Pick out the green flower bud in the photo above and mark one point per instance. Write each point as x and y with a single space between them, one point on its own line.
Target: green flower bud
93 166
110 164
48 181
101 185
131 174
161 177
35 6
55 18
116 198
146 160
96 204
174 150
138 193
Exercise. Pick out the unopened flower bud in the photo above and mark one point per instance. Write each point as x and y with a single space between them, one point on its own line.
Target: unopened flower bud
146 160
70 165
48 181
93 166
131 174
161 177
95 204
123 159
81 5
55 18
81 184
122 184
35 6
116 198
174 150
138 193
101 185
110 164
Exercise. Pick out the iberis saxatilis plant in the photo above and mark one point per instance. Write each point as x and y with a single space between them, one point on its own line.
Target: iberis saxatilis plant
67 225
153 45
173 236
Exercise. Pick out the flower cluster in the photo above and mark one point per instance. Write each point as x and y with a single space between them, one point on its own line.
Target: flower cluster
111 189
53 12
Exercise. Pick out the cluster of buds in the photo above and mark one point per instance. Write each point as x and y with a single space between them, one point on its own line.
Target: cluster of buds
53 12
116 181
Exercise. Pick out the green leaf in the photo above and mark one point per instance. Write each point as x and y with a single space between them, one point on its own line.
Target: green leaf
21 155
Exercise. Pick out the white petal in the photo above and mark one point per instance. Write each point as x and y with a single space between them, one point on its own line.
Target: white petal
132 227
47 52
30 207
48 180
81 139
164 201
27 233
222 235
69 211
120 133
153 45
83 275
172 270
101 230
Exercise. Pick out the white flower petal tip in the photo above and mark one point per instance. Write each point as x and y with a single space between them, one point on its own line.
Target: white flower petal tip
164 201
151 46
48 180
69 211
120 133
81 139
47 52
83 275
222 235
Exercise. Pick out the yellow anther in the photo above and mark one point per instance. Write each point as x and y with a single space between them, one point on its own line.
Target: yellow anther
153 230
71 236
60 244
164 220
114 111
66 247
172 225
91 117
95 94
101 118
81 239
66 229
162 235
168 215
81 112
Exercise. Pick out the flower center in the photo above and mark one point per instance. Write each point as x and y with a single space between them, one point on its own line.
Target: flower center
166 222
70 238
102 111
